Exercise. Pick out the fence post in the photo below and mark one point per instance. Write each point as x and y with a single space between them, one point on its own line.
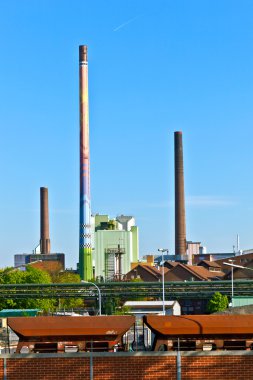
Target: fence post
5 369
178 360
91 360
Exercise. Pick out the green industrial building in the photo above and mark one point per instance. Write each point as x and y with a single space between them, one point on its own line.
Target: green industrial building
115 246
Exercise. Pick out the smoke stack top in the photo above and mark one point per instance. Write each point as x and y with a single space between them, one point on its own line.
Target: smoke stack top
83 53
180 225
44 222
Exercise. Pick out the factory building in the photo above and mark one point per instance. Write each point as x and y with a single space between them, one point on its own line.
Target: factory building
29 258
116 246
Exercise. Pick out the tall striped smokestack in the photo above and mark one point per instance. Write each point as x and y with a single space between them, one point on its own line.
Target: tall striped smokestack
180 229
44 222
85 260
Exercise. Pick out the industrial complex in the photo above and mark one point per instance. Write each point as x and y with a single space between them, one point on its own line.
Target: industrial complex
161 327
109 248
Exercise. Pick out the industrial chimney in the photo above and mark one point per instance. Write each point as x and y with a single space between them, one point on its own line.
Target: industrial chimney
180 229
85 260
44 222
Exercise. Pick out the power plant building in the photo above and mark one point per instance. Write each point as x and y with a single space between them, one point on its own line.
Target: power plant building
29 258
116 246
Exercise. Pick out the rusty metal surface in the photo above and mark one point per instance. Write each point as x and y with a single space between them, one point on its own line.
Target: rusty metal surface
180 228
189 325
71 326
44 221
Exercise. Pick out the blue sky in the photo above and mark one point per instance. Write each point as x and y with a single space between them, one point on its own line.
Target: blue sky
154 67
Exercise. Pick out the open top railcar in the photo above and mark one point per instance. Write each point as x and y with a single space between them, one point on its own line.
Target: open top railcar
105 333
67 333
201 332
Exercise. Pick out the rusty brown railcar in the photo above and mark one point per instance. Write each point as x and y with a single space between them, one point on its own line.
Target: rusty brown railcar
105 333
62 333
201 332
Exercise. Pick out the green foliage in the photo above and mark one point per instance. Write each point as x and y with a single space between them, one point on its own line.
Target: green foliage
218 302
110 305
36 276
124 310
31 303
66 277
71 303
29 276
136 280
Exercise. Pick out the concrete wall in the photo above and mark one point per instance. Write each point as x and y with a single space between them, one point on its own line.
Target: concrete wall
227 365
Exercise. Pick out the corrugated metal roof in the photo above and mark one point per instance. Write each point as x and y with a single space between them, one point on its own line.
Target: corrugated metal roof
210 263
149 303
18 312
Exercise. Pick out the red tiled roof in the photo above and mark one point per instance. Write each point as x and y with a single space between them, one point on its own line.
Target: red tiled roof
171 263
213 264
205 273
199 272
154 270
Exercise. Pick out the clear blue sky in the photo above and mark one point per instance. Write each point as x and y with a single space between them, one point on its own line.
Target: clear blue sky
154 67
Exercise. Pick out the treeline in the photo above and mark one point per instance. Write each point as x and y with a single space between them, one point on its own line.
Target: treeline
37 276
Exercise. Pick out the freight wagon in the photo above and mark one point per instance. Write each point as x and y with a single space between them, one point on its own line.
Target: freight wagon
114 333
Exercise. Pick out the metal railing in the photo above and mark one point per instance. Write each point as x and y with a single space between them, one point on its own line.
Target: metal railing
127 290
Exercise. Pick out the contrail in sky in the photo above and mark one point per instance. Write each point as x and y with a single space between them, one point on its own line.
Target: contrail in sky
125 24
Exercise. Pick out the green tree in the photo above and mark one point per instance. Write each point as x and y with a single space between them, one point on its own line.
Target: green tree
123 310
65 277
218 302
29 276
138 279
111 305
35 276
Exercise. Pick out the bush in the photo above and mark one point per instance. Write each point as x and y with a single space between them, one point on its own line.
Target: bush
218 302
